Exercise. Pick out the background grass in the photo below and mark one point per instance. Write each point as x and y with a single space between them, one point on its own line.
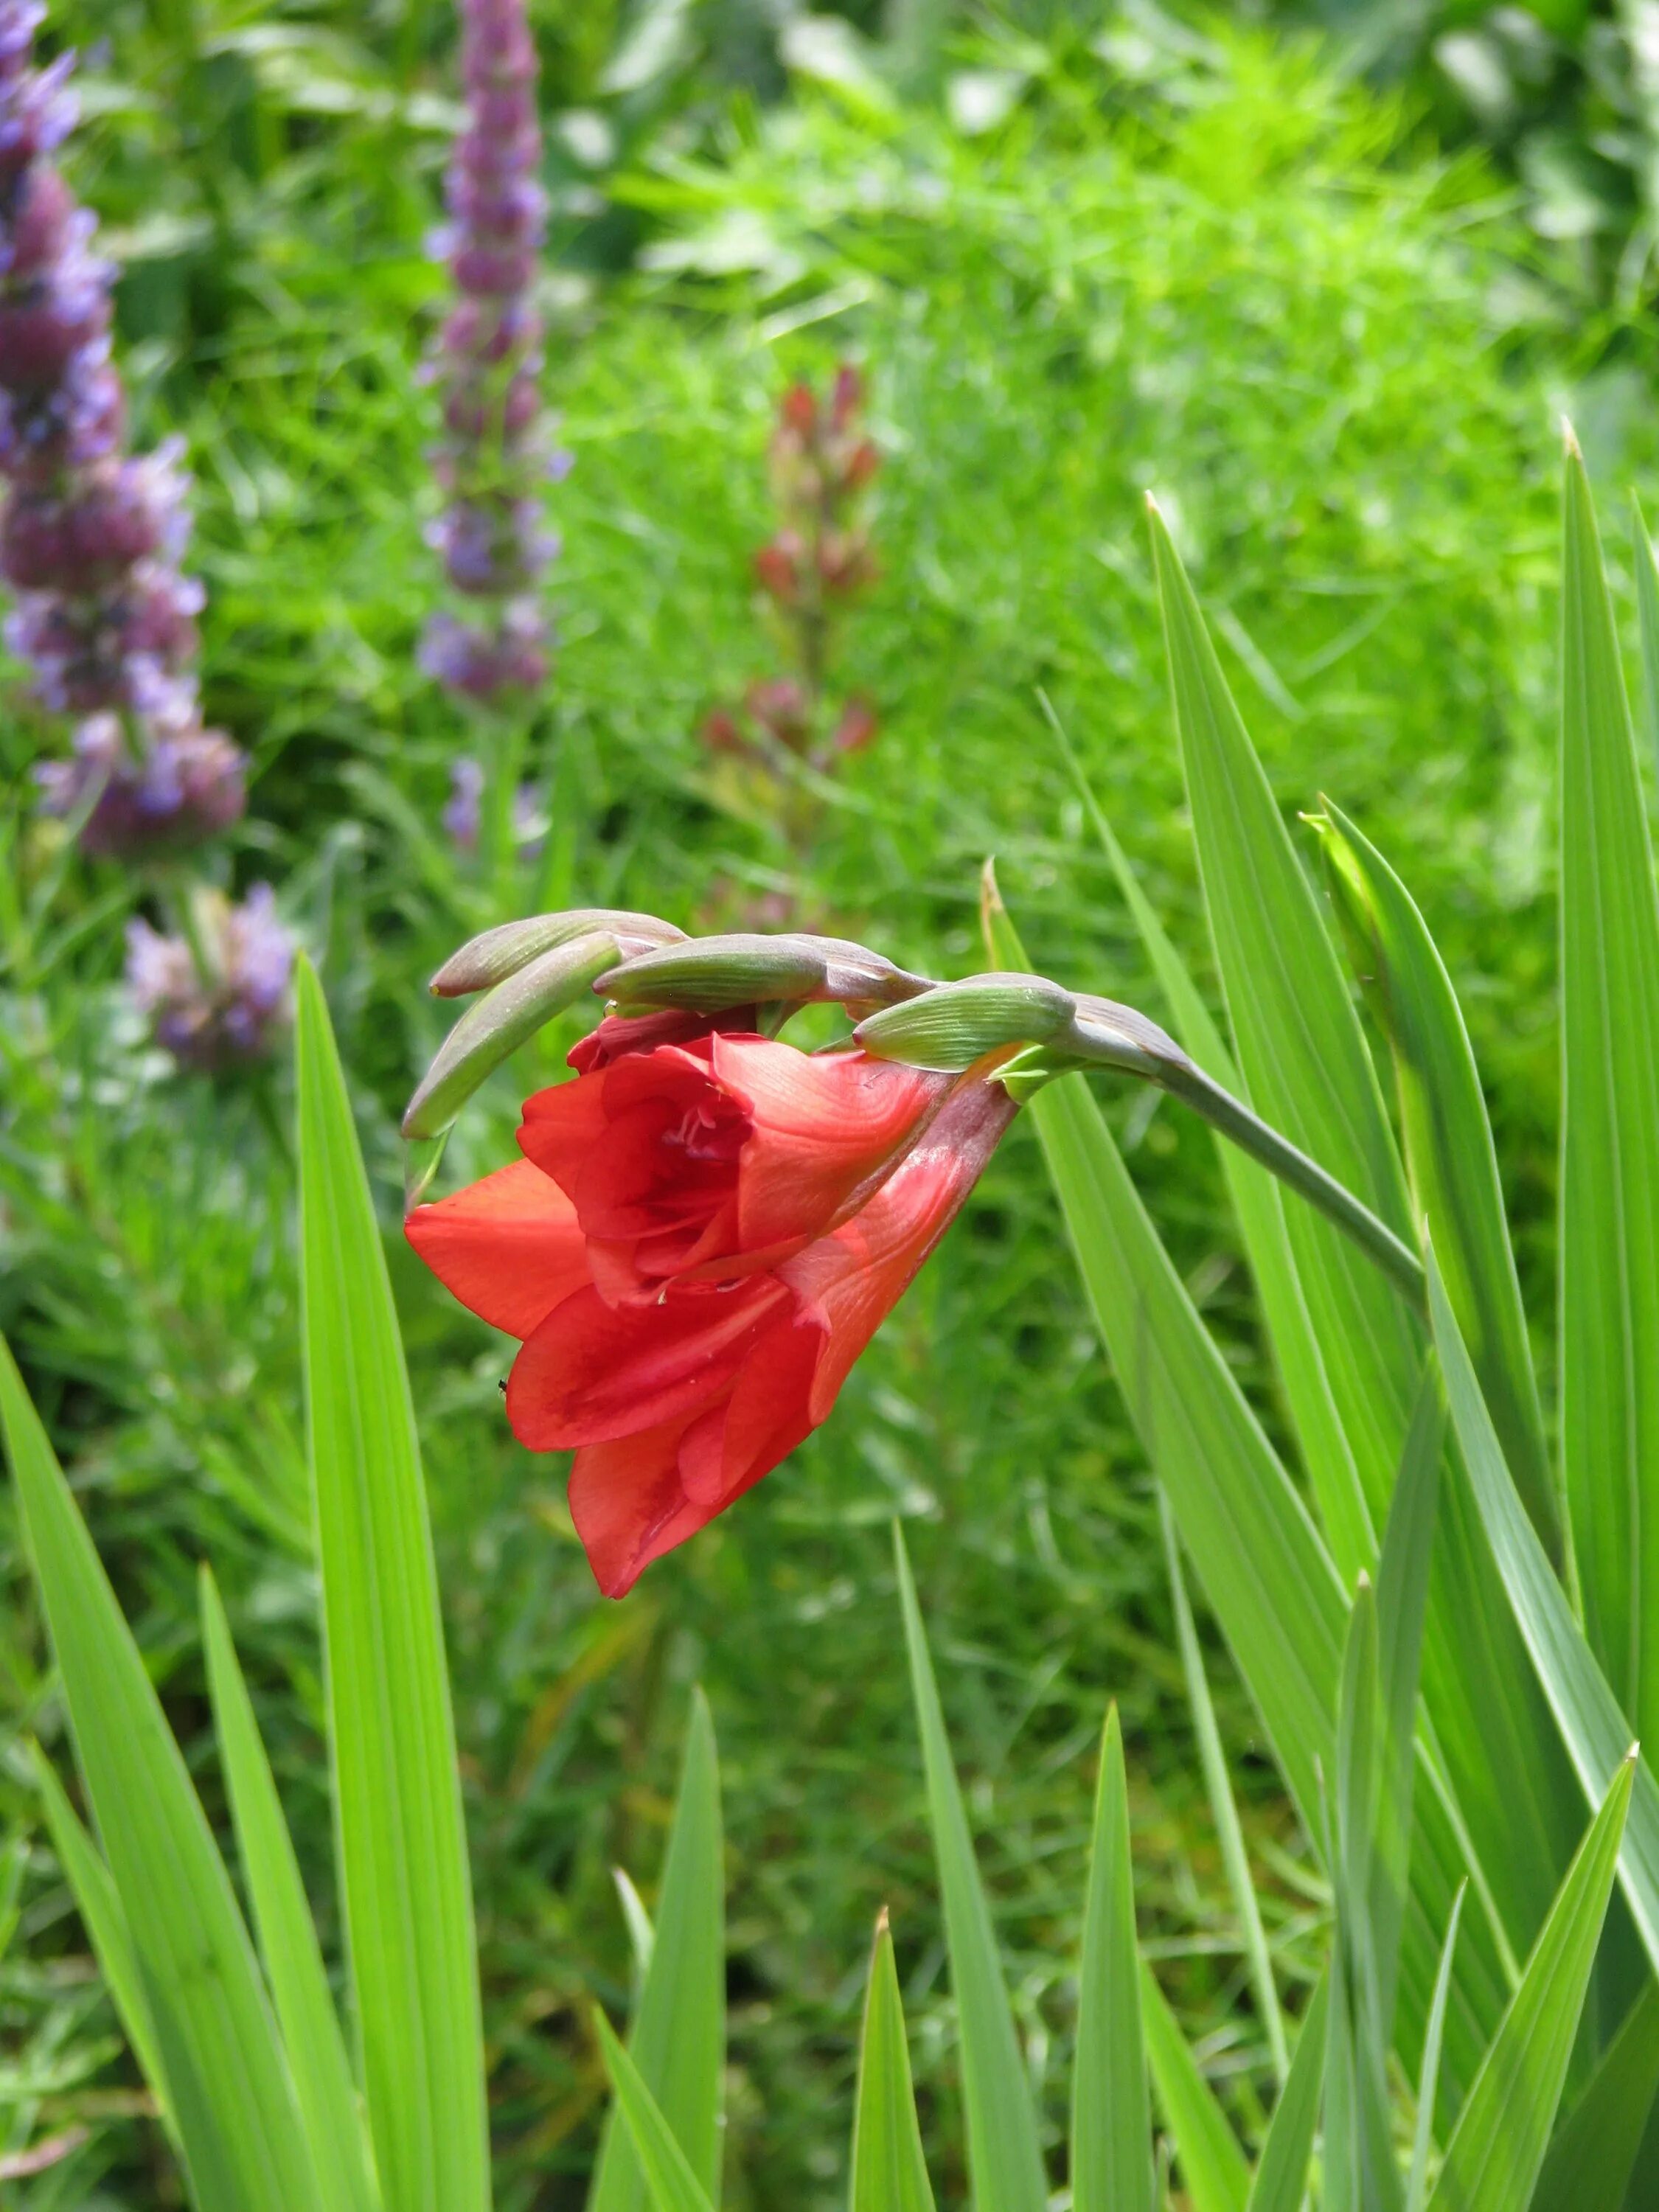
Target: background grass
1190 262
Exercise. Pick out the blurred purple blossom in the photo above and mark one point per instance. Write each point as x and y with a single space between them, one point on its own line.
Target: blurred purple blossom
216 1006
91 537
493 459
463 814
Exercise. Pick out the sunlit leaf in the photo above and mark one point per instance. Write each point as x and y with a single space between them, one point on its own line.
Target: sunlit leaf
665 2176
1111 2168
1282 2168
281 1916
1592 2159
889 2173
1212 2166
406 1891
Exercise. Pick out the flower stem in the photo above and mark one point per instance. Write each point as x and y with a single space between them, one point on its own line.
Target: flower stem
1185 1080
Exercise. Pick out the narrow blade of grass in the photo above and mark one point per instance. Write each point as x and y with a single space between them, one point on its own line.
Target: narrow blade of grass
1223 1809
666 2178
1111 2117
1003 2161
1281 2169
889 2173
1592 2158
1428 2079
1451 1158
1596 1733
281 1916
222 2068
678 2039
1213 2166
1258 1202
405 1892
1609 1185
1497 2147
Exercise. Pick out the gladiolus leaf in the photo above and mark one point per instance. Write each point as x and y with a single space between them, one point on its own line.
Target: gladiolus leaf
678 2039
1211 2164
1282 2168
1497 2147
666 2180
889 2173
1308 1070
406 1892
281 1915
1609 1319
1592 2157
1003 2158
1111 2119
1258 1202
1596 1733
1449 1153
223 2072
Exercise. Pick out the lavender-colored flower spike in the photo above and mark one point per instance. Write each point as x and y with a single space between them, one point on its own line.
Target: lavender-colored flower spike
91 536
214 1006
485 362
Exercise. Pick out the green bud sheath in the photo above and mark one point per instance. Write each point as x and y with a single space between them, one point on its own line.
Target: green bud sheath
954 1025
706 974
499 1025
489 959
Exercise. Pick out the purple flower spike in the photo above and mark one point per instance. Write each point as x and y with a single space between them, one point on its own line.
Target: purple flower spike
493 458
91 537
217 1006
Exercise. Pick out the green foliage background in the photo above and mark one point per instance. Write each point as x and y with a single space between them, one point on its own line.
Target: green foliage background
1185 258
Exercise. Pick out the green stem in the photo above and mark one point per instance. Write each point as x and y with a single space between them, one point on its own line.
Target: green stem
1188 1083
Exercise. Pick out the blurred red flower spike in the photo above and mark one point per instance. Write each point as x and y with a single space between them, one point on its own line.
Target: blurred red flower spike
798 409
678 1390
777 566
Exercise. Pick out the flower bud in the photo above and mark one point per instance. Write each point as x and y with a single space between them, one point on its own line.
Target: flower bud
709 975
487 1033
954 1025
489 959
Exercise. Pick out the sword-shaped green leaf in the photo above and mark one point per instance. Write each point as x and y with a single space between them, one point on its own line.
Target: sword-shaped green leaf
678 2038
1647 609
287 1934
889 2173
1609 1186
665 2174
1428 2079
1497 2147
1308 1071
1592 2158
1111 2119
1004 2163
1596 1733
1258 1202
1282 2168
1450 1154
1212 2167
222 2065
405 1892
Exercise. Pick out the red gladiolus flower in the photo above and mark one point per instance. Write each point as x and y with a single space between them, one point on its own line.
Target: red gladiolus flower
710 1160
678 1390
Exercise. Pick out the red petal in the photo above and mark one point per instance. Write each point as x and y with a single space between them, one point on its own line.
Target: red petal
509 1248
592 1372
852 1280
628 1505
824 1124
